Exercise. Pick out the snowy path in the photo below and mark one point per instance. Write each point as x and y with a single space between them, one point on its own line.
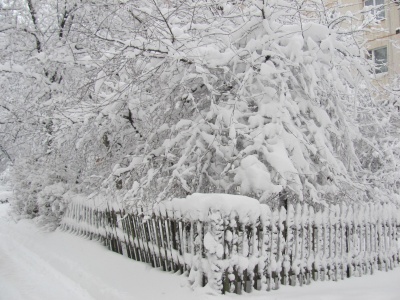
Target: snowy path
48 266
58 265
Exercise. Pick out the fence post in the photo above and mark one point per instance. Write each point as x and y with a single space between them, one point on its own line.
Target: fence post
214 250
289 235
265 251
281 245
311 253
317 245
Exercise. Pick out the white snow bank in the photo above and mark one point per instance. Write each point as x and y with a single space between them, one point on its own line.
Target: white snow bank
253 175
197 206
5 193
94 201
5 196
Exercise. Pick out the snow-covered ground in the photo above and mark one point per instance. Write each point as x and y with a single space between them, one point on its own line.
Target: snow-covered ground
58 265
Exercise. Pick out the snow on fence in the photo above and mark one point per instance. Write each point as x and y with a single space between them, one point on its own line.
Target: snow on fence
235 244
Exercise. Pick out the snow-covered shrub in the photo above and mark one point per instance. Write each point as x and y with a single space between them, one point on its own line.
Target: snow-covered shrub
258 101
26 186
52 204
146 101
5 176
39 192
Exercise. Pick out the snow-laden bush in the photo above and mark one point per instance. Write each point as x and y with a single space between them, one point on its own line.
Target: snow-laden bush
257 98
145 101
51 204
26 186
39 192
5 176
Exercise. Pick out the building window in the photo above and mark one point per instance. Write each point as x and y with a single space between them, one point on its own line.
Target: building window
379 9
380 57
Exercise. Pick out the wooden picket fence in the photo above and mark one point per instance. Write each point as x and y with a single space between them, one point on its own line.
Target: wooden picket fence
232 253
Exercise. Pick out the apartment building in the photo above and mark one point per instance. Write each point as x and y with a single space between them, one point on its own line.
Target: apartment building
383 41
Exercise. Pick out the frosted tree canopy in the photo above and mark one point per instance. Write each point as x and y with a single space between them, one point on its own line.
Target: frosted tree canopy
150 100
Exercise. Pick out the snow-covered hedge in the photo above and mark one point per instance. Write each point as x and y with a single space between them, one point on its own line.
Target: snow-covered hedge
151 100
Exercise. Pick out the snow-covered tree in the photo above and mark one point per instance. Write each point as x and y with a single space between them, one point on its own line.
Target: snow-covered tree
147 100
37 71
251 97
